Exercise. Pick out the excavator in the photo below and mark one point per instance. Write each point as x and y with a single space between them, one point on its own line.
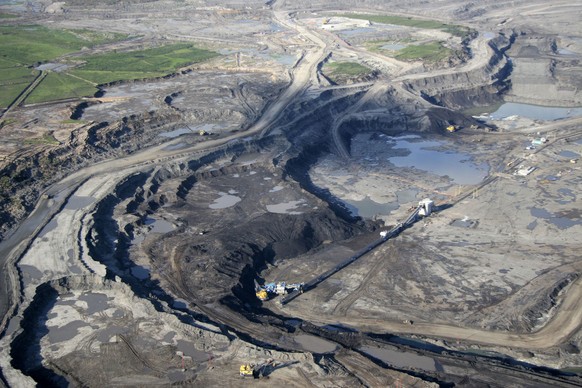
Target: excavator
269 290
258 370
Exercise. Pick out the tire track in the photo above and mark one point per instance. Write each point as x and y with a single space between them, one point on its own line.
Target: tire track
342 307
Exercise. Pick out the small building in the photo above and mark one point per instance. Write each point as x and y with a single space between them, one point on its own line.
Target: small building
426 207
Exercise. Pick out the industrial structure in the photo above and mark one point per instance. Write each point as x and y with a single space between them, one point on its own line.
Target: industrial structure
257 370
270 290
424 209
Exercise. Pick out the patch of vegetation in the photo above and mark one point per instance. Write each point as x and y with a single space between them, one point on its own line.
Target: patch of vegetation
21 47
46 138
6 122
164 59
105 68
26 46
456 30
8 16
429 52
57 86
29 44
73 121
103 77
349 69
377 45
13 80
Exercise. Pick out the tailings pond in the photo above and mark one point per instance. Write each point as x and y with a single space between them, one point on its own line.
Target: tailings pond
431 156
389 173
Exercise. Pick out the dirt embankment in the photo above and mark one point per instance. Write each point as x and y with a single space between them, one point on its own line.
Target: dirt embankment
26 177
544 72
478 86
125 118
223 257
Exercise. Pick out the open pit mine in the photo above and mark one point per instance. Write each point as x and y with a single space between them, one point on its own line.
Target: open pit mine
291 193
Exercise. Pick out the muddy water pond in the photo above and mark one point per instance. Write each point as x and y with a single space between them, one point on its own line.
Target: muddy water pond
535 112
429 155
67 332
315 344
192 129
225 200
190 350
96 302
176 132
569 154
393 46
357 31
401 359
159 225
368 208
140 272
556 219
285 207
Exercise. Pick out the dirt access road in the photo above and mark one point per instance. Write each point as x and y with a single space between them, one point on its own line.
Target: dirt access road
13 247
566 320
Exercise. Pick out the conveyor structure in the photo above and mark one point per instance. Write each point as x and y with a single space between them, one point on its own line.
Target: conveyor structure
424 208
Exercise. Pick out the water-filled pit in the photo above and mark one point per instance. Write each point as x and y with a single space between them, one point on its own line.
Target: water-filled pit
429 155
534 112
400 359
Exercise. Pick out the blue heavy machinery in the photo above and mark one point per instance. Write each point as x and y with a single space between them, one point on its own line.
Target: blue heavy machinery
271 290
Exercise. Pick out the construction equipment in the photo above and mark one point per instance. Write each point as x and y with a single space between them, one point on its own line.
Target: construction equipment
246 370
424 208
258 370
452 128
262 295
270 290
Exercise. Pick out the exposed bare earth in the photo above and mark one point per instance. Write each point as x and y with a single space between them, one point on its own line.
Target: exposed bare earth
131 255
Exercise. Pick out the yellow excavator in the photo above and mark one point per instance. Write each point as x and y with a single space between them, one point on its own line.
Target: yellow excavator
262 294
246 370
269 290
258 370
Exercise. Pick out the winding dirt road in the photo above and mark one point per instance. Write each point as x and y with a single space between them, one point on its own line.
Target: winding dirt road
15 246
566 321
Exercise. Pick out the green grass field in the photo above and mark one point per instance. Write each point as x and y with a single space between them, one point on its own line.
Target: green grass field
22 47
410 22
352 69
28 44
13 81
57 86
164 59
103 77
104 68
46 138
338 71
429 52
